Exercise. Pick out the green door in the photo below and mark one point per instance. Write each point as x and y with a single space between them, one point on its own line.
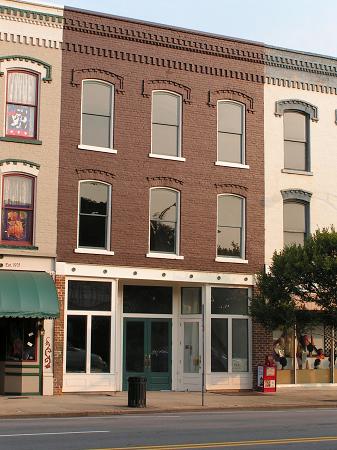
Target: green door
147 352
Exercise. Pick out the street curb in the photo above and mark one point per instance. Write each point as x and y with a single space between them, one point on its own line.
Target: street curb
150 410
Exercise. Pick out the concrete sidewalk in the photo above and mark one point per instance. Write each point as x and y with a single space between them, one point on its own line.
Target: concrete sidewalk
92 404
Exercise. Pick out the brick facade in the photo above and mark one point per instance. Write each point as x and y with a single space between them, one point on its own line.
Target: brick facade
59 336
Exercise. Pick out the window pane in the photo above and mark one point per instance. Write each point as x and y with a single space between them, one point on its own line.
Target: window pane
89 295
164 205
229 147
229 301
240 345
147 299
20 121
293 238
17 225
165 140
96 98
191 300
230 117
20 337
76 343
295 155
191 347
159 346
96 131
229 241
21 88
94 198
100 344
229 211
18 191
92 231
294 217
162 236
219 345
134 346
294 126
165 108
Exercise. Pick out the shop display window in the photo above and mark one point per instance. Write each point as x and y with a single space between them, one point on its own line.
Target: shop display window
21 339
147 299
191 300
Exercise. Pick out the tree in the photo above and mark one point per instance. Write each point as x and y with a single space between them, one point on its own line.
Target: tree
301 285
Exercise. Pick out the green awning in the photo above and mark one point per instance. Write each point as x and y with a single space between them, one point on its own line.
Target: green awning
28 294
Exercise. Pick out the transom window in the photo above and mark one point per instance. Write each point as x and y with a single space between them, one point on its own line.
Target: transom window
295 222
22 104
230 132
164 207
296 142
17 209
97 112
230 230
94 215
166 118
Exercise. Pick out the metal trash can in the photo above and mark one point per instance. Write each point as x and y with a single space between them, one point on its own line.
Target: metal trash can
137 392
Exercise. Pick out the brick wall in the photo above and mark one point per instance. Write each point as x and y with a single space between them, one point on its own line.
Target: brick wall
58 336
262 345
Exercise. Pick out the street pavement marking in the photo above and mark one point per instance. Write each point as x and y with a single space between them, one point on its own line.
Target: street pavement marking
46 434
228 444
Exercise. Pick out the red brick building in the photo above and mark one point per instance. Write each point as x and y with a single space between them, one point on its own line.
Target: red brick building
161 206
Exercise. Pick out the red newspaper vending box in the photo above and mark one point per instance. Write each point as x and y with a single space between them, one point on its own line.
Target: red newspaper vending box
266 378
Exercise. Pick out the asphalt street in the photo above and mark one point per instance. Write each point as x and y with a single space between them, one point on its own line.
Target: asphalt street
294 429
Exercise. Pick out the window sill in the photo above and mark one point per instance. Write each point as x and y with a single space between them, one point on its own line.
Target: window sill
297 172
231 260
19 247
229 164
97 149
163 256
20 140
93 251
172 158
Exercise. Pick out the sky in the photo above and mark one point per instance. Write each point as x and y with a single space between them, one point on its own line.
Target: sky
306 25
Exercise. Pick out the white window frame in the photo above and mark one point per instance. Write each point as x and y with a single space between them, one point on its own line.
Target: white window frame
157 155
96 148
233 259
242 164
111 313
94 250
164 255
230 318
307 143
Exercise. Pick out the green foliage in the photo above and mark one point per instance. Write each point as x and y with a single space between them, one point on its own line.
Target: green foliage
301 278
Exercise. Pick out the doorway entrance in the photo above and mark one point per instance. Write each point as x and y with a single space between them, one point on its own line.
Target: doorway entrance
147 351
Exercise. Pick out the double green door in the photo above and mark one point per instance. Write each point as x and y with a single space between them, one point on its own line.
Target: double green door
147 352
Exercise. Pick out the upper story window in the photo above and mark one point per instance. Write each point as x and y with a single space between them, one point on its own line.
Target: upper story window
97 114
17 209
296 140
295 222
230 230
166 124
164 208
230 132
94 215
22 104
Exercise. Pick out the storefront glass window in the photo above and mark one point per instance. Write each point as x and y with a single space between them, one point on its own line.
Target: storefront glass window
240 345
147 299
100 348
21 335
89 296
76 343
219 344
191 300
283 343
229 301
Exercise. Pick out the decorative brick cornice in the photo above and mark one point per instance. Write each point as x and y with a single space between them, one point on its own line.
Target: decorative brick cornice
103 174
299 105
168 85
16 162
230 188
296 194
230 94
99 74
20 13
47 66
160 181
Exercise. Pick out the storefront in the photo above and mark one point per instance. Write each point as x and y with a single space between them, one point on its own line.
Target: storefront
28 303
116 328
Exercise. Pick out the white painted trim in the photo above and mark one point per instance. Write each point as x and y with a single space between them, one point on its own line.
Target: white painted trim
231 260
93 251
297 172
97 149
229 164
140 273
172 158
163 256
